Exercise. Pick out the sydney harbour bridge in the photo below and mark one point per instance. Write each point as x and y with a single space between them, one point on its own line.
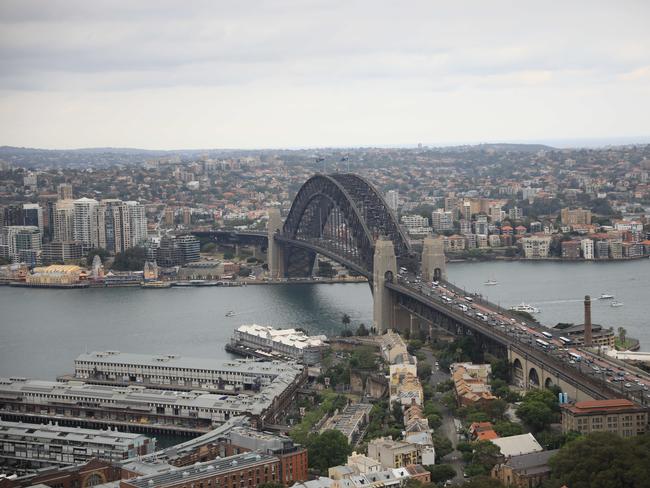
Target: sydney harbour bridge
344 218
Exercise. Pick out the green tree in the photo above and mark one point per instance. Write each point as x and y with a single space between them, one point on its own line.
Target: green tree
536 414
622 333
132 259
507 429
327 449
362 330
101 252
442 445
483 482
424 370
603 460
345 320
441 472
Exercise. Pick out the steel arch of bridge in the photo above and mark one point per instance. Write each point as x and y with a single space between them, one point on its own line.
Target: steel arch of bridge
357 215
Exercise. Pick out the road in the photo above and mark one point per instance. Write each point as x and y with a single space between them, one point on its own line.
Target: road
629 381
447 428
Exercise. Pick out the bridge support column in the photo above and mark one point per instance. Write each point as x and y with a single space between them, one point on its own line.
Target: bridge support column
275 250
434 265
384 269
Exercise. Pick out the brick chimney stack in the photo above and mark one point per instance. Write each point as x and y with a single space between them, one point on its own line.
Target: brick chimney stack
588 337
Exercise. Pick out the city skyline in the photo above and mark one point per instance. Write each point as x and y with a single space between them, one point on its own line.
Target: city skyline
328 74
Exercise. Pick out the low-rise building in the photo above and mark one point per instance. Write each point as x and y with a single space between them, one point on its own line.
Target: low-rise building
350 422
249 470
394 454
525 470
25 447
517 445
536 247
620 416
54 275
471 383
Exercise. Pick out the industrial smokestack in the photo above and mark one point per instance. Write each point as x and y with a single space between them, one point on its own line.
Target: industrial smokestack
588 338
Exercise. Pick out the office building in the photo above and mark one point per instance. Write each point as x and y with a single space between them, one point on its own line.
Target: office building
620 416
62 252
33 216
190 248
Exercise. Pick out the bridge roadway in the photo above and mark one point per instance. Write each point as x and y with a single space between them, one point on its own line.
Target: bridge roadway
550 364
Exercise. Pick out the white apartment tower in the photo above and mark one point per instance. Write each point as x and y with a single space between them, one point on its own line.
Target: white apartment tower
85 221
138 220
63 221
587 246
392 198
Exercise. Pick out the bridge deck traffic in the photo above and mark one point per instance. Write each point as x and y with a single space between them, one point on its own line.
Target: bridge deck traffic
597 376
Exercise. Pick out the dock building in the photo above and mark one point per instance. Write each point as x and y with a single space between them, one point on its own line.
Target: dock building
290 343
135 407
181 372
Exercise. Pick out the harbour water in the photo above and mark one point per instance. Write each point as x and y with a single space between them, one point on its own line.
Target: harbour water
42 331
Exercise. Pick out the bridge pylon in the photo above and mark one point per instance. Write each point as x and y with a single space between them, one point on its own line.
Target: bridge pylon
275 250
434 265
384 269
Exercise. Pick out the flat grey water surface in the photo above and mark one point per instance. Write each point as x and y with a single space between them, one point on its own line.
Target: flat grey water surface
558 290
42 331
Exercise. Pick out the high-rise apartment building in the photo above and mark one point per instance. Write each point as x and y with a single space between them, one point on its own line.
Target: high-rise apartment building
117 224
442 220
23 243
33 215
392 198
64 191
138 222
587 246
63 221
85 221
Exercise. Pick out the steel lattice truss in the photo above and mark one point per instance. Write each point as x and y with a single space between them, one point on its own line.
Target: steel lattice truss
340 215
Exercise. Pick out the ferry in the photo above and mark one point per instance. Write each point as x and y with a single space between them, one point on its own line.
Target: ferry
491 282
230 313
606 296
155 284
616 304
523 307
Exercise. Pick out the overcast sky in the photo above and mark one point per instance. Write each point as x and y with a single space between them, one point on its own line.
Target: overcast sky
295 73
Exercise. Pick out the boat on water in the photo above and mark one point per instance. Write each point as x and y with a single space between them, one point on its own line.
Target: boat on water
606 296
491 282
524 307
156 284
616 304
230 313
